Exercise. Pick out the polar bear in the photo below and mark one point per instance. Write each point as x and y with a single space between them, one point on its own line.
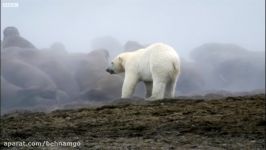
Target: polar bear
157 65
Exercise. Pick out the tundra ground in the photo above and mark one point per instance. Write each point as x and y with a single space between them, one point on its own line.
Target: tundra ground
182 123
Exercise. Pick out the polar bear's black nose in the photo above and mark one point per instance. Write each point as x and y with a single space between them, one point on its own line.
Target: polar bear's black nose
110 71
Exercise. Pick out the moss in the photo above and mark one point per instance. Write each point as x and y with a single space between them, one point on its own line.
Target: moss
184 123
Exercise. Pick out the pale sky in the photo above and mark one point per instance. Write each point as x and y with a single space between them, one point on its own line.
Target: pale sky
184 24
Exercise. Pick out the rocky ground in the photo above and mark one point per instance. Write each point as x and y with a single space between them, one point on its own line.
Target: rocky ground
183 123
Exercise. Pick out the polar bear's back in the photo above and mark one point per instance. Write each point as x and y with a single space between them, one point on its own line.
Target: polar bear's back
161 53
159 46
157 55
160 50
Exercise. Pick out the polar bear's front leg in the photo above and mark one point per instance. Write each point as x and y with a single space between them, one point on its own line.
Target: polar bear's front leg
129 86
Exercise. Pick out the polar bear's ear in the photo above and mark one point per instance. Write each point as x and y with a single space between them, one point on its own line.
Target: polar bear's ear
120 59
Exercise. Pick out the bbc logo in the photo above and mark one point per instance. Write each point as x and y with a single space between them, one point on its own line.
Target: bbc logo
10 4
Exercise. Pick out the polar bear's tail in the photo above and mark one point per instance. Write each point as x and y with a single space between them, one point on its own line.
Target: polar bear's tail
176 67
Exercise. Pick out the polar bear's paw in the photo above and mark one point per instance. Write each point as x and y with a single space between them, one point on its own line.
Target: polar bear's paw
151 98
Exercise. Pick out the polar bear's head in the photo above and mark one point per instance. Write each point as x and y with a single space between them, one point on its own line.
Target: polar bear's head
117 65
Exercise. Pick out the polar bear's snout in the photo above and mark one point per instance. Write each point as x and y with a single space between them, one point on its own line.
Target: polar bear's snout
110 70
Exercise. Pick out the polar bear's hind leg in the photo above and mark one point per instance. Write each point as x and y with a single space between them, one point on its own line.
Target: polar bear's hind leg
170 89
158 89
148 86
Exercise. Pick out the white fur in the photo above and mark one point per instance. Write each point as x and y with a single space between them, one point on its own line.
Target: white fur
158 66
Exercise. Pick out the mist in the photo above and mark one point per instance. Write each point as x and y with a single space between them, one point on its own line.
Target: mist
54 53
184 24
